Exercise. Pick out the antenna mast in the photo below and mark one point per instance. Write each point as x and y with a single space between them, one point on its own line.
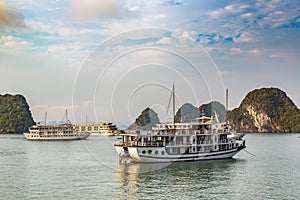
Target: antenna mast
45 118
226 99
67 119
173 93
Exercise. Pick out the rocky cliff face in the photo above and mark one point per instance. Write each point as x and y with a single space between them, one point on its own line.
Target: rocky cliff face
15 116
267 110
187 112
145 121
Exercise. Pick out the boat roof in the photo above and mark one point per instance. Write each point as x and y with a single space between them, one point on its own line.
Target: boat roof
203 117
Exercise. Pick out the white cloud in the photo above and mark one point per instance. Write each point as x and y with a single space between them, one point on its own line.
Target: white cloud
244 37
90 10
216 13
247 15
12 42
255 52
229 9
235 50
165 40
239 32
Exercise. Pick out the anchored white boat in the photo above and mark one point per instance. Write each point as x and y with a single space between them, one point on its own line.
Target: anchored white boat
55 132
103 129
202 139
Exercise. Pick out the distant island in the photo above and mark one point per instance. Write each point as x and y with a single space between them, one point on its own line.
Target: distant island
186 113
15 116
145 121
265 110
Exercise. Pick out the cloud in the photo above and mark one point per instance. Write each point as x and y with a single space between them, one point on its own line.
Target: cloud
235 50
214 38
249 52
9 17
247 15
292 23
229 9
89 10
12 42
243 38
255 52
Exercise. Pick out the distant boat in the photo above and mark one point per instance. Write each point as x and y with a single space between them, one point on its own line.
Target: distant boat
102 129
203 139
65 131
237 136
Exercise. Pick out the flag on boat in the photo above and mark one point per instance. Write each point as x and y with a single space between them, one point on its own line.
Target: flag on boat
200 107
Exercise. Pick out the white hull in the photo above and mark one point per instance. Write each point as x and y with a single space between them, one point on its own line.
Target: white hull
78 136
134 154
99 134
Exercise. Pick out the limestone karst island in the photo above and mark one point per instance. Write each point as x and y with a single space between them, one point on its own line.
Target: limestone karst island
265 110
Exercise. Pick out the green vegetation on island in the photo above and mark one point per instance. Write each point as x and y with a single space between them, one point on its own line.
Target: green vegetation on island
267 110
15 116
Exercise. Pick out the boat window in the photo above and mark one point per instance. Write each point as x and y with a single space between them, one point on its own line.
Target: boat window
162 153
143 152
156 152
150 151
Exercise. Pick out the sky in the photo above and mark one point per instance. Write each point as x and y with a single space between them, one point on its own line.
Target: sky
108 60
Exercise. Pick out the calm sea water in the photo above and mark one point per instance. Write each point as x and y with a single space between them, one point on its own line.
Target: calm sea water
90 170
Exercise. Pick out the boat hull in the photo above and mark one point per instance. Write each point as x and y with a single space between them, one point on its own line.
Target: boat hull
101 134
79 136
135 154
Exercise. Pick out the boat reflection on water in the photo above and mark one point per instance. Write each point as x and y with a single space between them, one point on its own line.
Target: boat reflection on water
139 168
138 180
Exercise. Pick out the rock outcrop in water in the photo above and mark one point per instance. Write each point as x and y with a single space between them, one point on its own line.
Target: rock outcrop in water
267 110
15 116
145 121
187 112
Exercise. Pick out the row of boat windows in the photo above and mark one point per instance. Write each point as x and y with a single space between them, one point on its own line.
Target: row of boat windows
186 132
91 128
178 140
155 152
53 132
40 136
175 151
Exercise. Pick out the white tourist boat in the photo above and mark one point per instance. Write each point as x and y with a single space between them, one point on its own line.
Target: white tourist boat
202 139
102 129
65 131
55 132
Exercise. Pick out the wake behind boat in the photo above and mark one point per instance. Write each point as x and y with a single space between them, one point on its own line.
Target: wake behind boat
202 139
65 131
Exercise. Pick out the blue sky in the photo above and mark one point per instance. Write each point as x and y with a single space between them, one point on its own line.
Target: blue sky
54 52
